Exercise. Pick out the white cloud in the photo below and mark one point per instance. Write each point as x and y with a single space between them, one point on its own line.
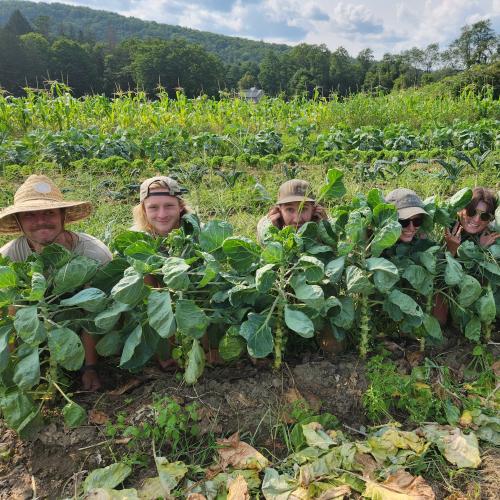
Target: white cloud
383 25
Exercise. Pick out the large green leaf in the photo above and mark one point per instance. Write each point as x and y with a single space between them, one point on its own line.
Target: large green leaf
383 213
27 370
66 348
460 200
74 415
191 320
109 275
195 363
90 299
298 322
385 273
211 271
432 328
345 318
213 234
143 351
473 329
419 278
405 303
385 237
265 277
19 410
133 340
334 187
38 287
5 333
107 319
453 273
314 269
375 197
255 330
357 281
8 277
470 290
110 344
242 253
175 273
312 295
160 314
231 345
273 253
55 256
29 328
130 289
334 269
76 273
107 477
486 307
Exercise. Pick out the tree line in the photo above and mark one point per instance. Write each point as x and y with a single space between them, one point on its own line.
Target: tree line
29 56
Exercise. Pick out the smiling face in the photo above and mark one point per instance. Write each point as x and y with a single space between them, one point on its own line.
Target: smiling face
296 213
162 212
42 226
473 224
409 228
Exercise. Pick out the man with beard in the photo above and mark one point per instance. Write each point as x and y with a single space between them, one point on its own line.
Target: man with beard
40 213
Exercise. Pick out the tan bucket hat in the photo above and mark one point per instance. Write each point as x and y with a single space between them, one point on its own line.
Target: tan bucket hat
38 192
171 188
295 190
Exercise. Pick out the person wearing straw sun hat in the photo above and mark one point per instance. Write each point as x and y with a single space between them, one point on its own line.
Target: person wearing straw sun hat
39 213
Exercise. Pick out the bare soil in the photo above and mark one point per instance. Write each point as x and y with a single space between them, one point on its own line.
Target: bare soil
252 400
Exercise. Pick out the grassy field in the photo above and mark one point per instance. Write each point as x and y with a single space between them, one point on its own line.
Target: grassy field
101 149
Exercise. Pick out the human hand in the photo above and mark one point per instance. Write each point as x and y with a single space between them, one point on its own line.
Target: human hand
453 238
274 215
487 239
90 380
319 213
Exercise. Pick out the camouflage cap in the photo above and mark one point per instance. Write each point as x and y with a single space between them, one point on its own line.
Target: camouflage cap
407 202
295 190
169 186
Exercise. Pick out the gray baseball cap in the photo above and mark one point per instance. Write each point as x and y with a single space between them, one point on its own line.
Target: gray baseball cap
169 186
407 202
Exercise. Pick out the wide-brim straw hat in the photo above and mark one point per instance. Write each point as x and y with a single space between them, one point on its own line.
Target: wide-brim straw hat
39 193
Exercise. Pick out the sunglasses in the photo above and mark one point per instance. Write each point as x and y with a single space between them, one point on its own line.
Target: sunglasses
416 222
484 216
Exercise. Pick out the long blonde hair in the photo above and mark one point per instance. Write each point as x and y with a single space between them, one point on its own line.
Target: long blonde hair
141 222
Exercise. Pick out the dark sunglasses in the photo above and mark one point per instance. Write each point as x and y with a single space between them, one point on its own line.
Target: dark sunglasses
416 222
484 216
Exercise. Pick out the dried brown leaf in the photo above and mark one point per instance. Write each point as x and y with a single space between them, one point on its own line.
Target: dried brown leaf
97 417
367 464
400 486
131 384
236 453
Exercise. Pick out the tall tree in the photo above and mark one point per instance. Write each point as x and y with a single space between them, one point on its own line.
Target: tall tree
17 24
270 73
476 44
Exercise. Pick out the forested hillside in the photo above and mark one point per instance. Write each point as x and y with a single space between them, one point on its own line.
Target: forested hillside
99 52
57 19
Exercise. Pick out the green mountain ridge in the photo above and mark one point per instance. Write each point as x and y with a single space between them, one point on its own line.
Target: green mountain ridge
109 27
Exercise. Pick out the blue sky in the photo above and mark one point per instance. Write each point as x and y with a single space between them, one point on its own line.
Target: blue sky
384 26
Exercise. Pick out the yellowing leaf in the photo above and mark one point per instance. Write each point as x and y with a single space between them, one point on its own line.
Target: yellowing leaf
335 492
236 453
170 473
316 437
389 440
458 448
237 489
399 486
